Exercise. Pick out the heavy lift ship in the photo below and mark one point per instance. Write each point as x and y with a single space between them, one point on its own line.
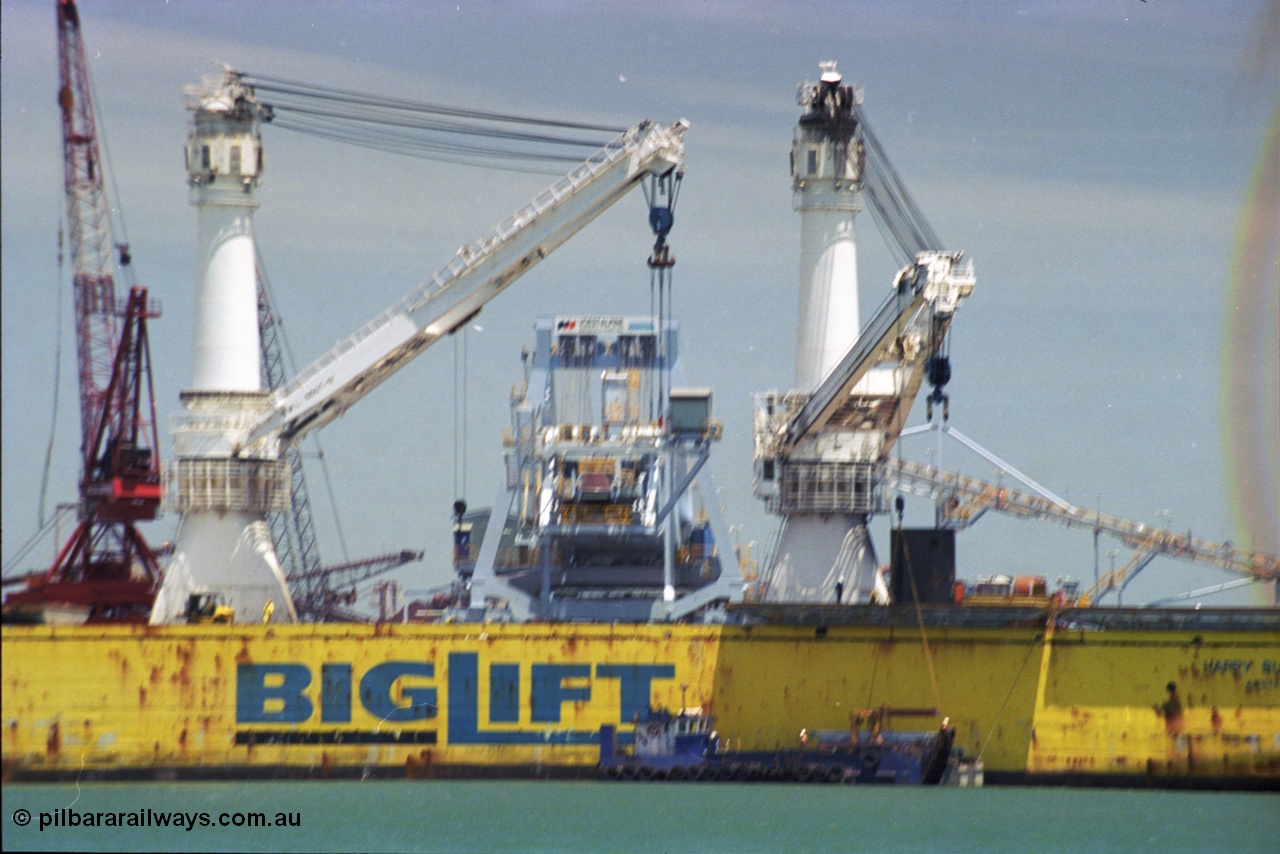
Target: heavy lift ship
589 504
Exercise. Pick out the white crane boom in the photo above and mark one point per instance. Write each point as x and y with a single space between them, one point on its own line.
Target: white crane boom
899 331
478 272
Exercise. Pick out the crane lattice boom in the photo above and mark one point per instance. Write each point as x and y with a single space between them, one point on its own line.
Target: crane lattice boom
106 569
97 330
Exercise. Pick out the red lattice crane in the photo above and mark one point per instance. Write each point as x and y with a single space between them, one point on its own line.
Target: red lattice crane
97 330
105 571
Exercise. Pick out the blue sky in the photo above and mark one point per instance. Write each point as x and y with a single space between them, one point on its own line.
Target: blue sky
1092 158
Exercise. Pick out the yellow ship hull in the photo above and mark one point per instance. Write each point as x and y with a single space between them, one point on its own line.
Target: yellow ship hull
1037 704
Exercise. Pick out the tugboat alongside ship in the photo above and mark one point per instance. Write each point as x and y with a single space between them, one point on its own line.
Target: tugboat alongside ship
683 746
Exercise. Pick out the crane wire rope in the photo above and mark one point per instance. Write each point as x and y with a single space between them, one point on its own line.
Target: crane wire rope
420 129
461 155
901 222
266 83
393 120
460 413
115 214
652 395
57 381
992 731
34 540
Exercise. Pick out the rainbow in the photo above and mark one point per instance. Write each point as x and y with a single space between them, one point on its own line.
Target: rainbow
1250 409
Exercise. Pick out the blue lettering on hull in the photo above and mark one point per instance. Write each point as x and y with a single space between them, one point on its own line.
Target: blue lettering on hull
464 706
402 692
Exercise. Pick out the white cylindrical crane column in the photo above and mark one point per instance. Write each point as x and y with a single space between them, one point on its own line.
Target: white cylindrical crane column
824 551
224 547
224 168
227 355
826 174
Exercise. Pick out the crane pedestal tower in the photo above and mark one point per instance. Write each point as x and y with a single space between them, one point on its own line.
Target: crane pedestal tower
821 491
224 544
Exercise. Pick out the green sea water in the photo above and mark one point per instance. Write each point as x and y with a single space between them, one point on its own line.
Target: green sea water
466 816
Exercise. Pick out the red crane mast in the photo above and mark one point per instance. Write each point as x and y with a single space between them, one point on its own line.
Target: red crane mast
97 331
105 572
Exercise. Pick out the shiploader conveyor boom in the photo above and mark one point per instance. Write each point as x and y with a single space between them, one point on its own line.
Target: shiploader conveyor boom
964 499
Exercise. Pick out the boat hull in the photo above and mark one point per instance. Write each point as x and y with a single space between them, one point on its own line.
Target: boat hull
1078 697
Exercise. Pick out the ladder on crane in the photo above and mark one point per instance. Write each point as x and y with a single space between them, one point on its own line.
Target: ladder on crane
313 587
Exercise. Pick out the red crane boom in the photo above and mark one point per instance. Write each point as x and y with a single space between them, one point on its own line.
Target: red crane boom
97 332
105 572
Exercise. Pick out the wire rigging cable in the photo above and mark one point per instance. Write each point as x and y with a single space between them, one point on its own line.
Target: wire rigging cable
57 374
431 131
900 219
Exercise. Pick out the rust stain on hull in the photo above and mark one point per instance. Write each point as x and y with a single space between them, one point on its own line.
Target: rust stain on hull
1102 711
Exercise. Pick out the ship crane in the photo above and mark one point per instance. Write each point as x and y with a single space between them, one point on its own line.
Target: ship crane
817 447
413 128
105 571
477 273
233 432
323 602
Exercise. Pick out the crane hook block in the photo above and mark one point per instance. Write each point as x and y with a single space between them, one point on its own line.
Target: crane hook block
661 220
938 371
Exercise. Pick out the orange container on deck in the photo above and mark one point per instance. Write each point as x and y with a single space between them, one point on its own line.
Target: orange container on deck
1030 585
